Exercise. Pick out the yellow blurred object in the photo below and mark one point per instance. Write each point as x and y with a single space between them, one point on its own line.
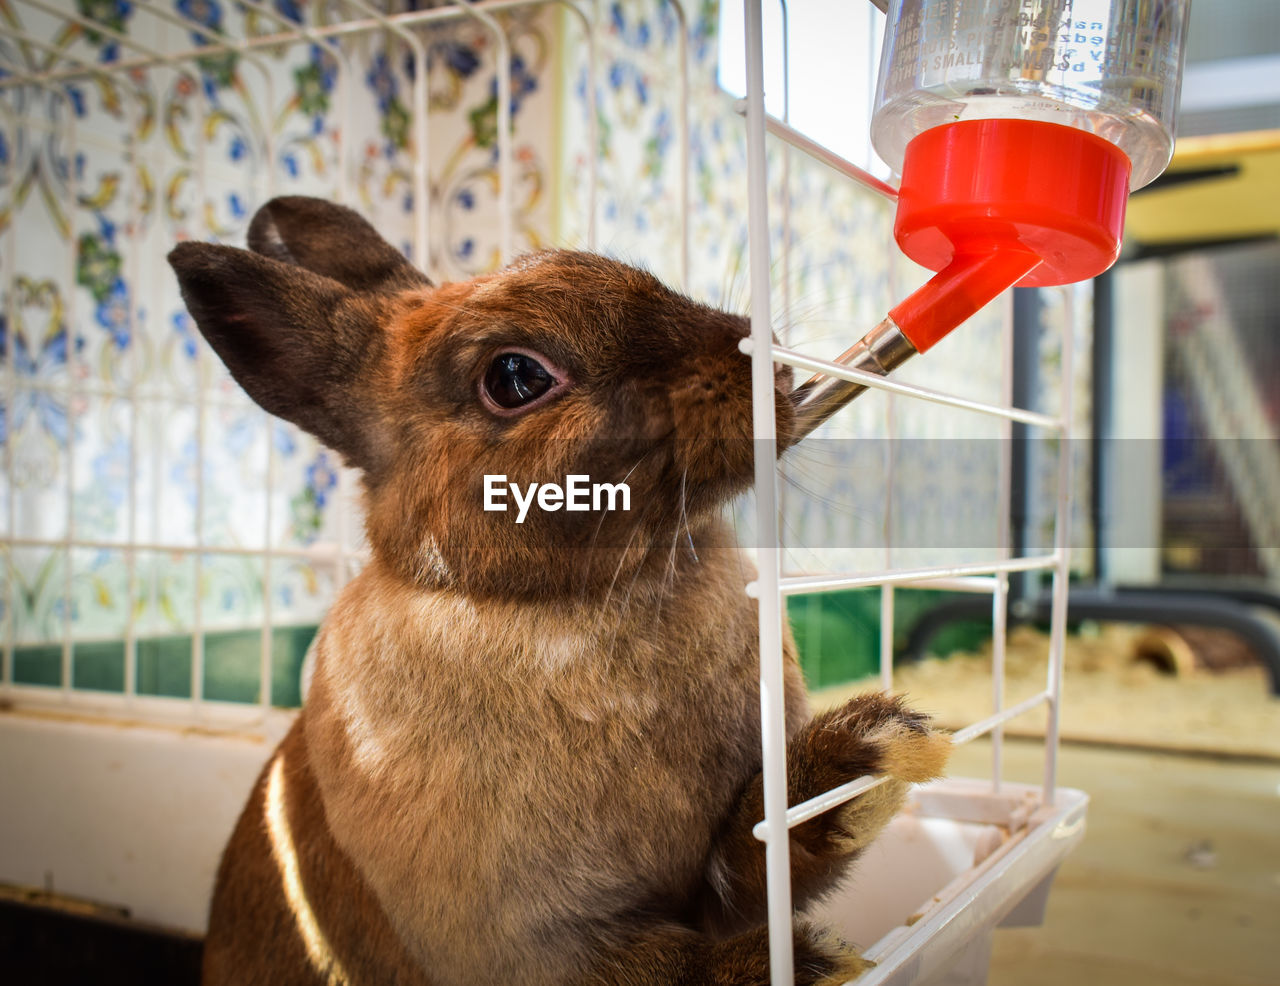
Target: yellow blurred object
1241 201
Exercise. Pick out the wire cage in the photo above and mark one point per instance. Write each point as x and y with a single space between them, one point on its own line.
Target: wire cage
134 469
935 948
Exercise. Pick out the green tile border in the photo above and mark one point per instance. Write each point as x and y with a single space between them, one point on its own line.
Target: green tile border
837 634
232 660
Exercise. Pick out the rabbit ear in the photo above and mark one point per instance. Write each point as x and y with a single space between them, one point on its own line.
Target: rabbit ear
301 345
334 241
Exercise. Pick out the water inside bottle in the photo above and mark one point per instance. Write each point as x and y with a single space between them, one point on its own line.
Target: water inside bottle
1110 67
1135 131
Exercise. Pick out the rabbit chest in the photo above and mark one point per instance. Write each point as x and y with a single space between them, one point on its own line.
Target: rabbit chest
507 779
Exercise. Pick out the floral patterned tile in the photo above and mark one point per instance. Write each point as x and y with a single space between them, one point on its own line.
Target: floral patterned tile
104 306
301 591
236 473
40 343
171 350
164 593
39 592
102 469
231 591
37 439
170 473
302 499
99 594
95 315
109 359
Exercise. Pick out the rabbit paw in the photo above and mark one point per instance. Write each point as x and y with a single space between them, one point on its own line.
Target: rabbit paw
819 958
883 736
823 959
870 734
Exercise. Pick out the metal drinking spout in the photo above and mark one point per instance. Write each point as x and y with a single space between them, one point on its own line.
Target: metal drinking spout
1046 207
882 349
913 326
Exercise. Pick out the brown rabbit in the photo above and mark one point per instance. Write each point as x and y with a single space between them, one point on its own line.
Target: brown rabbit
530 752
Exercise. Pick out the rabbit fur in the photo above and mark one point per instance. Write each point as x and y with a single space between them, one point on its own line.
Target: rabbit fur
529 753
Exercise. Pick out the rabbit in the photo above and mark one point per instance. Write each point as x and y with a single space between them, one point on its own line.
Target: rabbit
529 752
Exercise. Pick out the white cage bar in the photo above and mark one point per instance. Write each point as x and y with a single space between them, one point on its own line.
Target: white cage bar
771 588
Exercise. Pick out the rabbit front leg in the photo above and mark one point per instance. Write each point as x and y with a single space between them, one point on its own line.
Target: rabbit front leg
670 954
869 734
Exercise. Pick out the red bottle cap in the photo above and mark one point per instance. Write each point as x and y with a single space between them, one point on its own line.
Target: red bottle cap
994 203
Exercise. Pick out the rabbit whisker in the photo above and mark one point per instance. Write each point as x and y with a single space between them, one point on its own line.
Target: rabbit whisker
684 514
600 524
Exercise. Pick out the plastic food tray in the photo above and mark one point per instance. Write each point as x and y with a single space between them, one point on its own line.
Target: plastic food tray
961 860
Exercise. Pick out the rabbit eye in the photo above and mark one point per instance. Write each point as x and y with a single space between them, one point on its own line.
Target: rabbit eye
516 380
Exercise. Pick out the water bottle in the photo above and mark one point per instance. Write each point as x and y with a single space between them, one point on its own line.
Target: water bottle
1019 128
1111 68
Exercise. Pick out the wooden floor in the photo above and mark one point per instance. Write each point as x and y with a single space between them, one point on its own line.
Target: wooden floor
1177 880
